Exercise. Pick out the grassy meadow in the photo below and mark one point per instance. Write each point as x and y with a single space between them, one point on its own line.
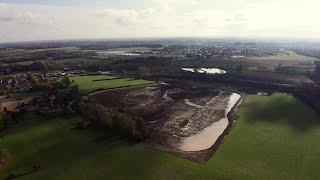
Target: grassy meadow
89 84
288 56
276 137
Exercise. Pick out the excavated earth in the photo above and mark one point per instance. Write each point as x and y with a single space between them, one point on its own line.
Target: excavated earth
173 114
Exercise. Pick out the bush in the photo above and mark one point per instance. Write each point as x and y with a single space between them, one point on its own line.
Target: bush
1 122
128 126
82 107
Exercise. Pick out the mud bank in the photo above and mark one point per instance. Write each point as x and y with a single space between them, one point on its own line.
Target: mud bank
207 137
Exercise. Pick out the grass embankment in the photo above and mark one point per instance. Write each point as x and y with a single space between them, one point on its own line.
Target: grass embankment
287 56
276 137
89 84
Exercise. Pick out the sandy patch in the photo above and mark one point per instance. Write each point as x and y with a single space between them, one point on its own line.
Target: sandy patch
188 102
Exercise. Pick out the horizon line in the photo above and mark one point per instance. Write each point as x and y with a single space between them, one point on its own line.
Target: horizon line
166 38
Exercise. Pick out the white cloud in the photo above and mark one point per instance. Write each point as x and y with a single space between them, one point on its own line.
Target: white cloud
286 18
3 7
7 14
124 17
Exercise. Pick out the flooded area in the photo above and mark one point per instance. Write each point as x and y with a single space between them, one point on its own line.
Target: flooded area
207 137
205 70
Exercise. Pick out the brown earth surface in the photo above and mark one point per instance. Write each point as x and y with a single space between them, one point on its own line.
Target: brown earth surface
171 113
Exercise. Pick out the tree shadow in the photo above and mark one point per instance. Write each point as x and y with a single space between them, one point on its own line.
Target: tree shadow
107 135
281 109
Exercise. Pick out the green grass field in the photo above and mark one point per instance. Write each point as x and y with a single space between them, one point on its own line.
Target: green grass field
276 137
89 84
289 56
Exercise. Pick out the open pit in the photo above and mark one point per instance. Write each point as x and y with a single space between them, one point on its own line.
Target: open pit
180 120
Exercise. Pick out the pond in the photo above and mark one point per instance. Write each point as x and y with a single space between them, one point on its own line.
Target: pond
205 70
117 52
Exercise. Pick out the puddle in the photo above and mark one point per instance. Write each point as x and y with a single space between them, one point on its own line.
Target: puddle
207 137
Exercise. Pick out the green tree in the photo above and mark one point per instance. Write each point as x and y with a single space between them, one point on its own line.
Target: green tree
144 71
34 80
75 93
239 68
6 118
65 81
1 118
44 68
76 98
83 107
124 73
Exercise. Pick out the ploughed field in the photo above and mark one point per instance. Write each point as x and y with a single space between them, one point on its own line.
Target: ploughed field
276 137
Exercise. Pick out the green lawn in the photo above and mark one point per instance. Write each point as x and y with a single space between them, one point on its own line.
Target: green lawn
89 84
276 137
288 56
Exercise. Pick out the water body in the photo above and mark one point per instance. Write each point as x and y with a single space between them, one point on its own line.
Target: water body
207 137
205 70
116 52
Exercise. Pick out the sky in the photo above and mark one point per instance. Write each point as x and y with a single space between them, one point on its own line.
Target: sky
27 20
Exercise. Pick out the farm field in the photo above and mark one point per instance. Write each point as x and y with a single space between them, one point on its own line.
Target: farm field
275 77
288 56
89 84
276 137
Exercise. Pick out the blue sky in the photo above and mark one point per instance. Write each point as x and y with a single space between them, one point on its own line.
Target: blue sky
24 20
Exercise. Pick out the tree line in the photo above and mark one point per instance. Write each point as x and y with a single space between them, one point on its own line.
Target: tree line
111 118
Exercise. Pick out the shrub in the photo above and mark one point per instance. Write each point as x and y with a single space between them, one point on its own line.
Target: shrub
1 122
132 127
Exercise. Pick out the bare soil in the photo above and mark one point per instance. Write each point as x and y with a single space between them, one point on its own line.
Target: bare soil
171 113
